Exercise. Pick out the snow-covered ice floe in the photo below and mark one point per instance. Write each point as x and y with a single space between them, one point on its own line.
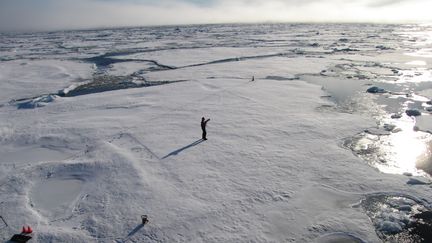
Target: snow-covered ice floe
111 132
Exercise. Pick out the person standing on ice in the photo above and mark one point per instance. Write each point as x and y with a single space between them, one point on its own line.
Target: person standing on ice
203 127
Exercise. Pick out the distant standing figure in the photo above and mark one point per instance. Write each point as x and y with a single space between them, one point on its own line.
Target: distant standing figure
253 78
203 127
144 219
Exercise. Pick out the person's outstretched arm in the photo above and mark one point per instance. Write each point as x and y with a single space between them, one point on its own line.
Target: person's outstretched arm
207 120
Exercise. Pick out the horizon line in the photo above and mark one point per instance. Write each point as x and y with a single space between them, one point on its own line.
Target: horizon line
107 27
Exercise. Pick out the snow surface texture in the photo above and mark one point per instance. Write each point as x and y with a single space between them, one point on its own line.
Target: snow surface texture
30 78
85 168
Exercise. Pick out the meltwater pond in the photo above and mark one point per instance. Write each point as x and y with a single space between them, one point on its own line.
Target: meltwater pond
397 96
397 144
54 197
395 147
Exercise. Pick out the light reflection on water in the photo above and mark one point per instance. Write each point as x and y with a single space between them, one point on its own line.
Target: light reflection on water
399 151
405 149
424 161
397 146
417 63
415 76
421 40
425 52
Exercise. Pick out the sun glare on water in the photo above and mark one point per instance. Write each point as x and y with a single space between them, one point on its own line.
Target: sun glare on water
422 41
403 151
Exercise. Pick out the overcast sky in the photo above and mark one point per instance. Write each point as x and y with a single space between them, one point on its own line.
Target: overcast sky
73 14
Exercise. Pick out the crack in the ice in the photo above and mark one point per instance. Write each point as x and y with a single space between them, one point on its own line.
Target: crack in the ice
98 85
104 61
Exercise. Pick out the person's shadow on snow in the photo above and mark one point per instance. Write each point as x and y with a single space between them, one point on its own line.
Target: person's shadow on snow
132 233
140 226
185 147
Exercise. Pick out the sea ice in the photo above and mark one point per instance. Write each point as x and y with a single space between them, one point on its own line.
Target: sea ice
84 168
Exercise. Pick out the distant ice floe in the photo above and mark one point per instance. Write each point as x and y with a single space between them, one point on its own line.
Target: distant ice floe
384 47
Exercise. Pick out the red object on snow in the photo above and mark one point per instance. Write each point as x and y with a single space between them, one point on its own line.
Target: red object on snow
27 230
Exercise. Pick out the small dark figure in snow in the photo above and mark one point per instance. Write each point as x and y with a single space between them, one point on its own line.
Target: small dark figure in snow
253 78
203 127
144 219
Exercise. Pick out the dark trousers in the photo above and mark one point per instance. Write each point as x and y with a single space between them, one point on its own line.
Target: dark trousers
204 135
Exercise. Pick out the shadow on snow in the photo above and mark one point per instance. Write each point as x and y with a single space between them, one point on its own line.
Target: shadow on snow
184 148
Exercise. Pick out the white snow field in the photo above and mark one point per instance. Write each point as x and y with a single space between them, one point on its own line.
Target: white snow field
274 168
30 78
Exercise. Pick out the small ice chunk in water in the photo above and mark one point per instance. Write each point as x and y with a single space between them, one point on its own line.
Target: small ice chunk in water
375 90
413 113
396 116
377 131
389 127
414 181
405 208
389 227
